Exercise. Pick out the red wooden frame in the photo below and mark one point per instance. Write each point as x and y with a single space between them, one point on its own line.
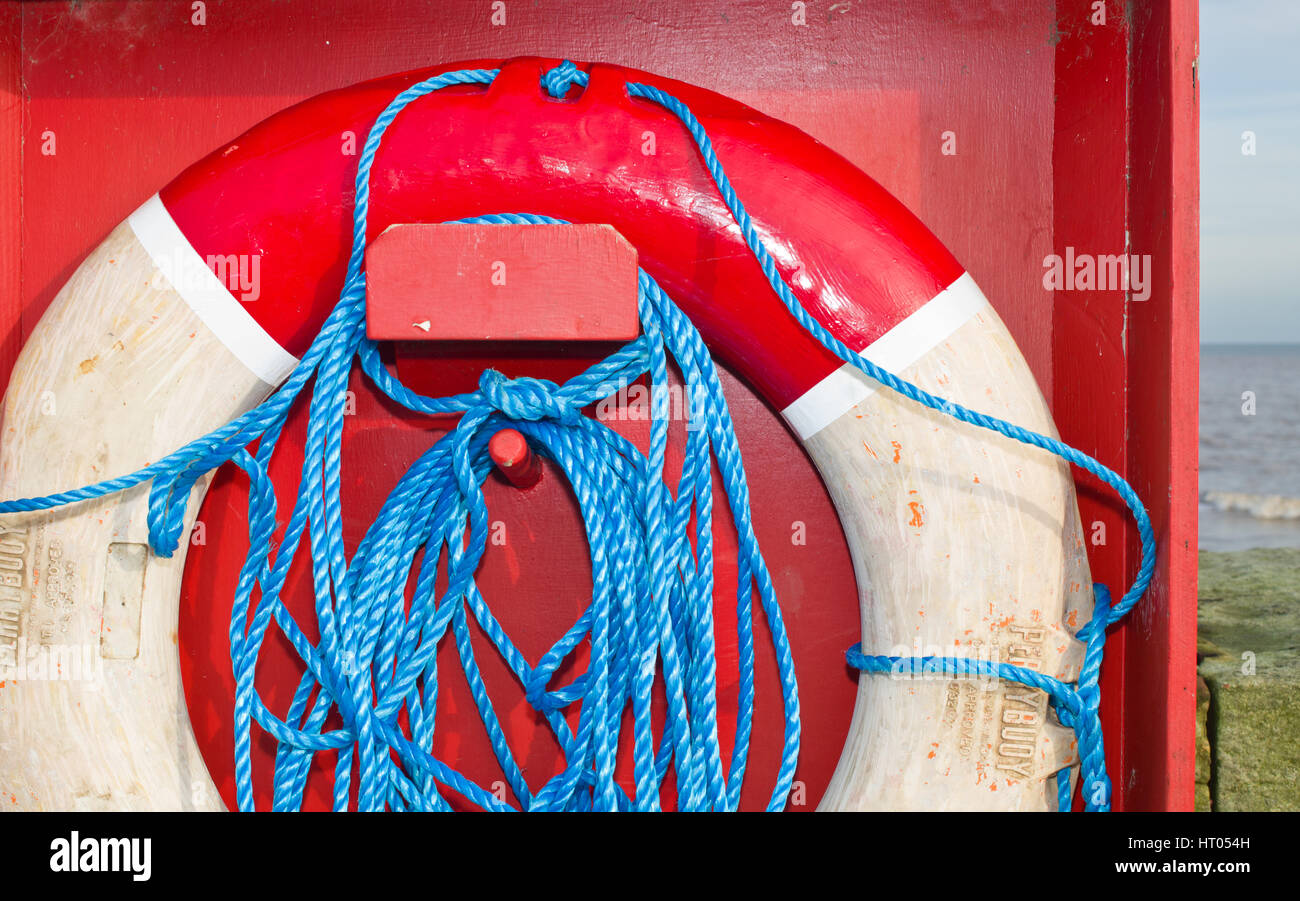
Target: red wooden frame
1067 133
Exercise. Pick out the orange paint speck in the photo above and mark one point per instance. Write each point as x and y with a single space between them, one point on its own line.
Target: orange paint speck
917 510
1073 619
869 450
897 448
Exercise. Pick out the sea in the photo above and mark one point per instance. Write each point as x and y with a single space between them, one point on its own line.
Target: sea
1250 446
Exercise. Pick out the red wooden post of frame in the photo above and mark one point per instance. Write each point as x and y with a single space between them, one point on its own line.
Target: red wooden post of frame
1125 362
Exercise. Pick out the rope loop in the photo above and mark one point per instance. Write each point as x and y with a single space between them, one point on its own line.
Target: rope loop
1077 706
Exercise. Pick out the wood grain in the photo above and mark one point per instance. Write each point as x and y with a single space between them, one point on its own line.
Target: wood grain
117 373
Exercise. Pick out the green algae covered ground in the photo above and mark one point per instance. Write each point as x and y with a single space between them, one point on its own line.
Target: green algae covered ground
1248 730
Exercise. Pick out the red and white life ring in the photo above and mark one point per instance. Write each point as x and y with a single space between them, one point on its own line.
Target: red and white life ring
145 348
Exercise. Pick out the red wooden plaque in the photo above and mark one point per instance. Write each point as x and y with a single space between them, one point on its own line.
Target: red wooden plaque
501 282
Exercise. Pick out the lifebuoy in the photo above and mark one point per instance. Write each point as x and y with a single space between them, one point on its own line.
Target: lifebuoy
145 348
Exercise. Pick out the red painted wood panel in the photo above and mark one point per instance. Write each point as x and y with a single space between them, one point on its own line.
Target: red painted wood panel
1048 155
130 120
12 108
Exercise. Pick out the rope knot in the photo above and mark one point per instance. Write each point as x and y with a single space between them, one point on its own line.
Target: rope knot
558 80
526 399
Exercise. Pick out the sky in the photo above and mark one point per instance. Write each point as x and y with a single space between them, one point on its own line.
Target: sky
1249 74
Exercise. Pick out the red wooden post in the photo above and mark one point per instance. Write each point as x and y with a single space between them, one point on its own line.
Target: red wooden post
509 450
1159 711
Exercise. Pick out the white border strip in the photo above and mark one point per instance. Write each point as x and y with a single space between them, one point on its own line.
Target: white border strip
200 288
895 350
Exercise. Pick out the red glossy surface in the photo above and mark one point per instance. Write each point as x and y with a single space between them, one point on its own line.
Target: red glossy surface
134 92
858 259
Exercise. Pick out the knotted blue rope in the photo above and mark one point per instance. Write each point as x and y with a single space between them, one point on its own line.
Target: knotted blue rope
651 608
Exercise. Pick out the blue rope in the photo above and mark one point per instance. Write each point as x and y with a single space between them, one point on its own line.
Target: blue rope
652 593
1076 708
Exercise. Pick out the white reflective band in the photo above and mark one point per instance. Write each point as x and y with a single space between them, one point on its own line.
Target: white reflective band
895 350
200 288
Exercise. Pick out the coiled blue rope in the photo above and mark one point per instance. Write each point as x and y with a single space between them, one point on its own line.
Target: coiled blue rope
1076 707
651 608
